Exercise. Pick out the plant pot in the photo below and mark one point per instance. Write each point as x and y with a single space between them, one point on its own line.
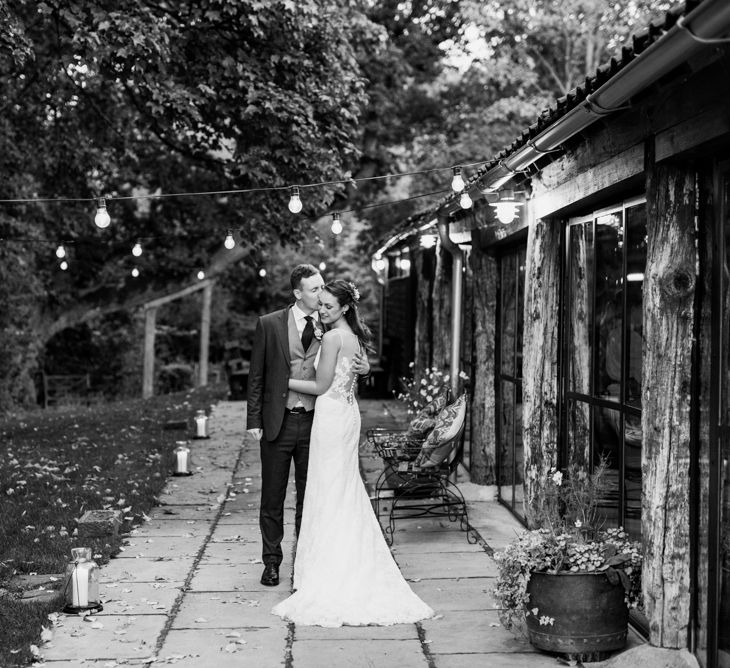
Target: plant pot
590 617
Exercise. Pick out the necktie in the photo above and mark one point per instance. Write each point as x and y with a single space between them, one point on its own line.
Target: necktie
308 333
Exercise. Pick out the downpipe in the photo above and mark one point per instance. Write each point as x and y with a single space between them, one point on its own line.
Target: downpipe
457 279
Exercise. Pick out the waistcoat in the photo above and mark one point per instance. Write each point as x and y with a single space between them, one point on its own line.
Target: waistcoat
302 365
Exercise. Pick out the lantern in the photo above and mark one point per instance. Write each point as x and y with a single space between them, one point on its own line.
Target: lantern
201 424
81 587
182 459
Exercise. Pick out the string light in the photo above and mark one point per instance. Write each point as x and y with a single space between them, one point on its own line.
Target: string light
137 249
262 272
465 201
428 240
135 272
230 242
457 183
60 252
322 266
295 203
336 224
201 275
63 265
507 205
102 219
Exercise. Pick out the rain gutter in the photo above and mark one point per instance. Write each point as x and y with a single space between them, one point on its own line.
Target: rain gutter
457 277
703 26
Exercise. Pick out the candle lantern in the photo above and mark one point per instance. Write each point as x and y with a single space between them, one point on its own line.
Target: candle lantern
182 459
81 587
201 424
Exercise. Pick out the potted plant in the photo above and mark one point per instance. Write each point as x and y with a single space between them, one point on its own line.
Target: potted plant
569 581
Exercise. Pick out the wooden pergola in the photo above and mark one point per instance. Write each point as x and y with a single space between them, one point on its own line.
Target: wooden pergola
150 320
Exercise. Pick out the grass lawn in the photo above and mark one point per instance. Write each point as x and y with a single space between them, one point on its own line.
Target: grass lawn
57 463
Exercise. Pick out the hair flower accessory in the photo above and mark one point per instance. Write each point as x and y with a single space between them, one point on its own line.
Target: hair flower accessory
355 291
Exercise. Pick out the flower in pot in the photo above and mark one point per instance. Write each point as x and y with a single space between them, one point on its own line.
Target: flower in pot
566 579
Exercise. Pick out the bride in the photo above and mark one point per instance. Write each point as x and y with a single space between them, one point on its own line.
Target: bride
344 573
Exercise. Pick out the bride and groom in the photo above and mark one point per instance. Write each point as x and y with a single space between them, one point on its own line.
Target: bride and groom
302 407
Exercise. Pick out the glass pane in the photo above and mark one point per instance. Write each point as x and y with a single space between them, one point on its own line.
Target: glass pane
519 452
632 474
724 619
609 305
607 444
509 310
635 267
579 308
579 433
506 446
521 261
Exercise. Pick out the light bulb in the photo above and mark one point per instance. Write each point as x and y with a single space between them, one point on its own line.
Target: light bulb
201 275
102 219
262 272
506 212
322 266
380 264
465 201
135 272
405 264
230 242
457 183
336 224
64 265
137 249
428 241
60 252
295 204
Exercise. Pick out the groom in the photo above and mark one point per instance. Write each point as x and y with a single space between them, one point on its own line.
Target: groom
285 346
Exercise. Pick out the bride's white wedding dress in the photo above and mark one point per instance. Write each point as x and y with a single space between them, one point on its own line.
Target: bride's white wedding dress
344 573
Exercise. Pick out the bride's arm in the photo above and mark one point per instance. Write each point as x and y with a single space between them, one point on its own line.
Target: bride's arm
331 344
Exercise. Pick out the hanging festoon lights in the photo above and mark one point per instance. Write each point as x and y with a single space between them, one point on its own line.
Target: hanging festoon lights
427 240
262 272
81 584
102 219
201 275
135 272
295 203
60 252
181 459
457 182
322 266
201 424
63 265
336 224
465 200
230 242
137 248
506 206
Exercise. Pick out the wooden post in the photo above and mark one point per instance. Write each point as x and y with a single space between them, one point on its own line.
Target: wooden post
669 293
423 340
540 365
148 373
441 310
205 334
483 426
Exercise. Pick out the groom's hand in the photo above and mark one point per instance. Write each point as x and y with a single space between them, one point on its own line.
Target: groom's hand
361 366
256 433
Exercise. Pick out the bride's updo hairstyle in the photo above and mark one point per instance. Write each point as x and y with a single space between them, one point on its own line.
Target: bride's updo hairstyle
347 294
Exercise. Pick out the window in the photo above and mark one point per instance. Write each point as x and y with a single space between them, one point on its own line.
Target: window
509 390
606 258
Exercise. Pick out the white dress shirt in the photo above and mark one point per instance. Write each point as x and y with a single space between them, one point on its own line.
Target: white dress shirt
300 319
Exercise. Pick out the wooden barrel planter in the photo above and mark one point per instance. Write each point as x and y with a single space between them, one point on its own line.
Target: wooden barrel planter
590 617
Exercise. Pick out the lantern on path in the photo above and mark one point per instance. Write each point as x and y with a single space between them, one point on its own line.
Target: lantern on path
81 587
182 459
201 425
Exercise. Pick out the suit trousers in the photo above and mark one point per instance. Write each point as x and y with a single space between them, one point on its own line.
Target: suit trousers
292 443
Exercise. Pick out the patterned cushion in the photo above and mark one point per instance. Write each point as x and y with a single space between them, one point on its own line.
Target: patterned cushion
420 426
437 445
433 408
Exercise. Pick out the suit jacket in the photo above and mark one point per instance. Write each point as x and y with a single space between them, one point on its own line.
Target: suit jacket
268 376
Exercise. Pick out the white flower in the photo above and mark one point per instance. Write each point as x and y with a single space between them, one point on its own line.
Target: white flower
318 333
578 524
558 478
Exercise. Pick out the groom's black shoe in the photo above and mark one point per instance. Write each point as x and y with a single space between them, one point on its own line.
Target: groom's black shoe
270 576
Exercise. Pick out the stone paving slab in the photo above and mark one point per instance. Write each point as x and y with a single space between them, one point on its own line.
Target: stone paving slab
119 637
237 552
498 660
372 633
233 577
228 610
445 594
447 565
139 598
168 546
358 654
183 512
263 648
146 570
461 632
172 527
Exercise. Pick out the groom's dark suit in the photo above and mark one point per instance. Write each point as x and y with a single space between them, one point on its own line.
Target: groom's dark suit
285 417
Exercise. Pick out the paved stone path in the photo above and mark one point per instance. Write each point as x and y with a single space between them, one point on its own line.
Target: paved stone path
186 589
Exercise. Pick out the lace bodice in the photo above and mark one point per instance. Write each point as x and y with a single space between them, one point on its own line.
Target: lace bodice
344 380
